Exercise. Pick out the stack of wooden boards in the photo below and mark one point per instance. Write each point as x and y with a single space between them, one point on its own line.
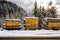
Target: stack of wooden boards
53 23
31 23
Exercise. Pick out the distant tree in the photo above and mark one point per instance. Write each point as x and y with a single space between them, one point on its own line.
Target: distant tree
40 13
51 11
35 10
43 12
36 13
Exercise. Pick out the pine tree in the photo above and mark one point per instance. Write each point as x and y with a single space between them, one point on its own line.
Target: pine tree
40 15
51 11
35 10
43 12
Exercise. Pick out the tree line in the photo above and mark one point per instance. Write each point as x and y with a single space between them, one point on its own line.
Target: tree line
42 13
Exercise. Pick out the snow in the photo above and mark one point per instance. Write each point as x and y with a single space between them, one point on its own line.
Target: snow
33 33
13 19
32 17
51 18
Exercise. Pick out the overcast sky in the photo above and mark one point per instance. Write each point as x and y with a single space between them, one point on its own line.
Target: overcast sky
29 4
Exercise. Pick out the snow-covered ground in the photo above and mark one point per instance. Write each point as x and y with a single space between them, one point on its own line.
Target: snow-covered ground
33 33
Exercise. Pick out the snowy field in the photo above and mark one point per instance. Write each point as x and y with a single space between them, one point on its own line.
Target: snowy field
32 33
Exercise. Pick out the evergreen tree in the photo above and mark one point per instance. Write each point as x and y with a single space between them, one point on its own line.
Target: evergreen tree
35 10
43 12
51 11
40 15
